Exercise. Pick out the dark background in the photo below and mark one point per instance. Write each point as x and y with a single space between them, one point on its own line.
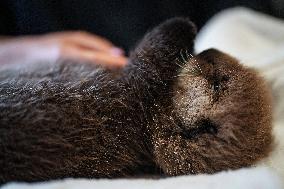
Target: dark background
123 22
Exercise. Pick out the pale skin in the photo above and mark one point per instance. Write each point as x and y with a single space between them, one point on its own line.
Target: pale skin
79 46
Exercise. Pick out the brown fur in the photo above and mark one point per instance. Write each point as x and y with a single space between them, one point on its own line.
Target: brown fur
155 116
234 104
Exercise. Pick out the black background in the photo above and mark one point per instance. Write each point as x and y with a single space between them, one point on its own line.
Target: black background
123 22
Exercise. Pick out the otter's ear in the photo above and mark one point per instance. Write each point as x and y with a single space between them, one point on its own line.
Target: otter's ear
164 43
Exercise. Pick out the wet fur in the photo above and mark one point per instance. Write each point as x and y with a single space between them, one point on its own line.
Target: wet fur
66 119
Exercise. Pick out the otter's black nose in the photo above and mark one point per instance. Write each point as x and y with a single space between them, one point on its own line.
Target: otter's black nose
203 126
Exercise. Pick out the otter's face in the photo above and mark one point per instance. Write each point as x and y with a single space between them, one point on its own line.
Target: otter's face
219 116
225 113
208 82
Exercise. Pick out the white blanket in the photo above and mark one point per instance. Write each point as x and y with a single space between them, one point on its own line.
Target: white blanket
258 41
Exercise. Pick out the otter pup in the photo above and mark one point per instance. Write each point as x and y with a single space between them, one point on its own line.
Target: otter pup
166 112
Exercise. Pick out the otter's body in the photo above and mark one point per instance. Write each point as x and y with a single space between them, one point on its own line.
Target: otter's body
154 116
71 119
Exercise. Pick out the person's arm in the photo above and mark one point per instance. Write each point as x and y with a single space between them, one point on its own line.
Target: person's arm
81 46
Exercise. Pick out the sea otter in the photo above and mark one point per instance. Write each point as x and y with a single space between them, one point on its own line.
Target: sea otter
168 112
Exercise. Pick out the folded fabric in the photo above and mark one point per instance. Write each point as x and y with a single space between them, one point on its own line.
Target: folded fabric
260 178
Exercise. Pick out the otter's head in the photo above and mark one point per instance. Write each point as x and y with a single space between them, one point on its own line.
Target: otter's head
224 110
221 109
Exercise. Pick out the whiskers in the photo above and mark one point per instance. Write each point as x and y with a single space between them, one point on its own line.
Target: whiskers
188 64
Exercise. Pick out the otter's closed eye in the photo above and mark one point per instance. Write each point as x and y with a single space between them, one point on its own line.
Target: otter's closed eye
220 84
216 85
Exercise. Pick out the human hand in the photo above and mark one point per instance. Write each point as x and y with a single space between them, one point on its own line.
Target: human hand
81 46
